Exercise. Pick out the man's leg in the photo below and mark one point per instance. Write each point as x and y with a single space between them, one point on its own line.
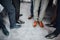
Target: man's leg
36 7
53 18
44 4
31 10
2 26
16 4
57 25
11 12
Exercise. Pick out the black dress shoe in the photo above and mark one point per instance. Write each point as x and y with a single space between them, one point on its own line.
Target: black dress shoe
20 22
52 24
49 25
51 36
5 31
30 17
21 15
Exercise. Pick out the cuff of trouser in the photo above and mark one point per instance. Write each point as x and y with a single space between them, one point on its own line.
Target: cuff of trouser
40 19
35 19
12 25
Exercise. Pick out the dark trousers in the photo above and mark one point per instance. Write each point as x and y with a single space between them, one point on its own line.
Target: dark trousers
11 11
1 22
16 4
57 25
50 3
31 10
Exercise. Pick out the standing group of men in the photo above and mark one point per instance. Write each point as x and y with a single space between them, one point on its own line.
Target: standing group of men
12 7
39 6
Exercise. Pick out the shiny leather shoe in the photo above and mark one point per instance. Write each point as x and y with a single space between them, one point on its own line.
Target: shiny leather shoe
30 17
41 24
5 31
50 25
21 15
20 22
35 24
51 36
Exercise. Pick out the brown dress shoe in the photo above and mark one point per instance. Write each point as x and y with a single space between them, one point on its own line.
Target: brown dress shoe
41 24
35 24
30 17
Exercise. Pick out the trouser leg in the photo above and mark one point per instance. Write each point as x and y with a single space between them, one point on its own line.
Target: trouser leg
31 10
1 22
57 25
16 4
36 7
44 4
2 26
11 11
